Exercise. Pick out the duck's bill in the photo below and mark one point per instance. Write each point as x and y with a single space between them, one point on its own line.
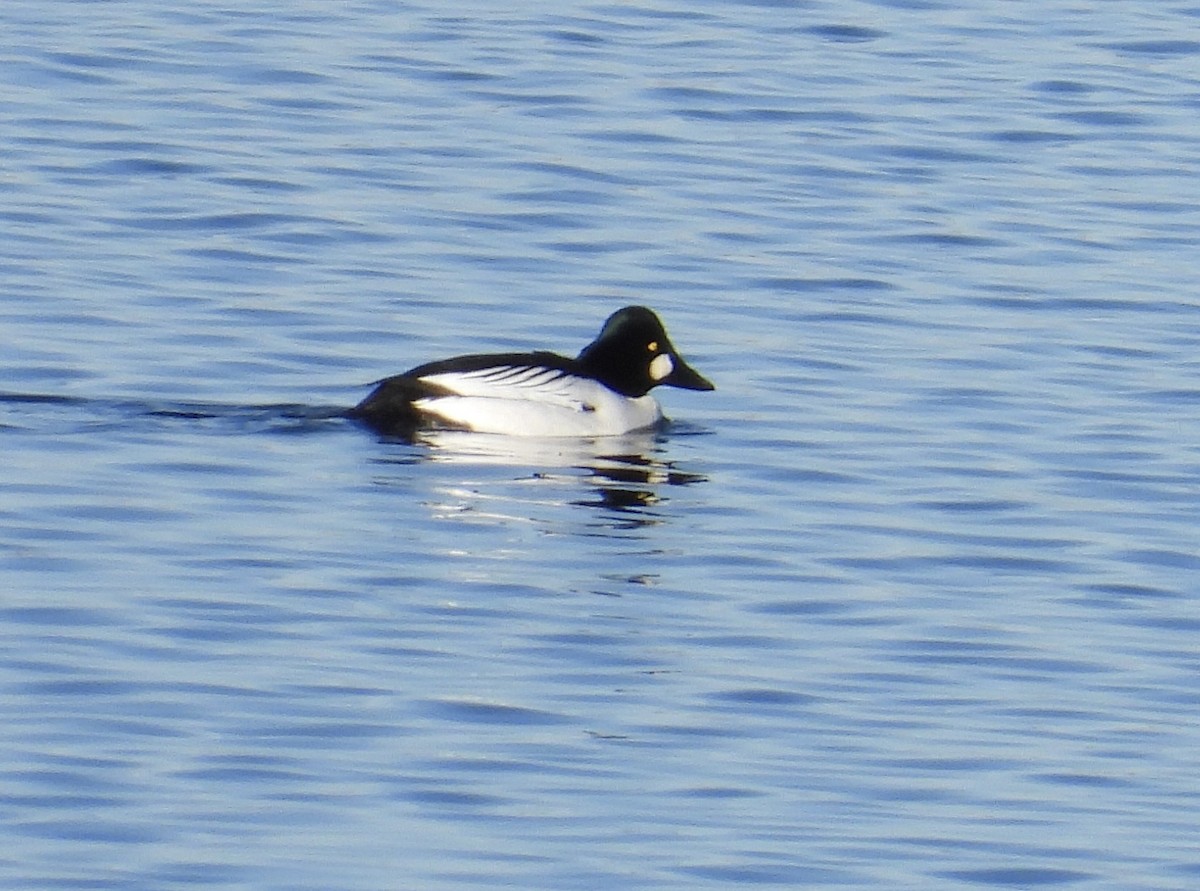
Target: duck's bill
686 377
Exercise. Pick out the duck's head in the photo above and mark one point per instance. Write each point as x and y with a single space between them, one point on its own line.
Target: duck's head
633 354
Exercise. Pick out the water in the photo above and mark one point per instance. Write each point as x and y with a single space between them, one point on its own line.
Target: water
908 602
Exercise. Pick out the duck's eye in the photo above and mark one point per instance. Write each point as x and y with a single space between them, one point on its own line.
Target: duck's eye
652 346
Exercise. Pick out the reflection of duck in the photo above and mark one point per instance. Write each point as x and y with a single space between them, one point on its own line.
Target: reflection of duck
620 475
630 482
604 391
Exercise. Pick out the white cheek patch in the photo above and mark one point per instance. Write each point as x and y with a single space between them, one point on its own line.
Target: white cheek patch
661 366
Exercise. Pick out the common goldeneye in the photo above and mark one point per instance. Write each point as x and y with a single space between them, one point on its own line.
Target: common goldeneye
604 391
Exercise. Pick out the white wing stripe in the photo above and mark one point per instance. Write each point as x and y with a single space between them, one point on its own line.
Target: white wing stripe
520 375
517 382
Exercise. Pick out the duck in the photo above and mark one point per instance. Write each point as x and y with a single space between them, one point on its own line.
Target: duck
604 391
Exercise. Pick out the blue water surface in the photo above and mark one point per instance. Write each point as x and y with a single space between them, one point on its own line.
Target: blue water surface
909 602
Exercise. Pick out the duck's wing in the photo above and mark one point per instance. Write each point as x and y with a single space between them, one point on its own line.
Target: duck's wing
438 390
538 377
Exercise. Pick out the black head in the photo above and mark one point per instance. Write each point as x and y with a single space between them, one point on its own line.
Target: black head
633 355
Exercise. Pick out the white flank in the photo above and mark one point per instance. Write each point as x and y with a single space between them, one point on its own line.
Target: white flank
522 401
